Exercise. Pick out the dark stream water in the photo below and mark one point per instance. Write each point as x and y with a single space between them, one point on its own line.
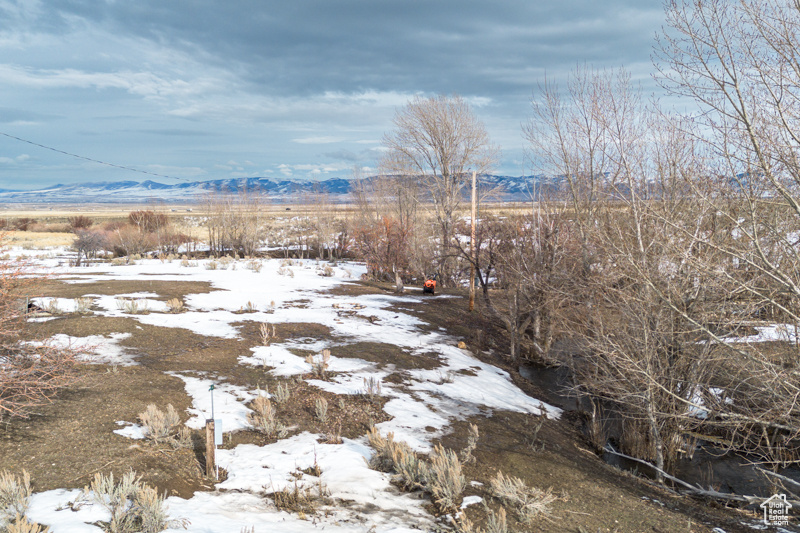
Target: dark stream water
710 466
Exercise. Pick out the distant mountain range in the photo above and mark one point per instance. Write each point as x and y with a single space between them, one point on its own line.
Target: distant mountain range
284 191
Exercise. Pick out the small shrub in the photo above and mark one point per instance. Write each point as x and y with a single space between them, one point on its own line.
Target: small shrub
254 265
327 271
319 365
159 425
134 507
472 443
286 272
398 457
175 305
321 409
211 265
22 525
282 393
263 419
15 494
250 307
287 263
385 447
413 472
183 439
495 522
80 222
528 502
52 307
298 499
372 388
445 480
131 306
83 304
267 333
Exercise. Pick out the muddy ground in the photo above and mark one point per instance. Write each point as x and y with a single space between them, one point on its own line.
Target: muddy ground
69 440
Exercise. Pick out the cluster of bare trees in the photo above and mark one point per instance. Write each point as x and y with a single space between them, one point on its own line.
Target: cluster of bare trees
235 223
671 238
144 231
687 232
436 144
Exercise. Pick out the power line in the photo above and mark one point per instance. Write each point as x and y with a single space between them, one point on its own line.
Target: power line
93 160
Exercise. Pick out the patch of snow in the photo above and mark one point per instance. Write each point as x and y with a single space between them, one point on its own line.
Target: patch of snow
229 403
470 500
97 349
131 430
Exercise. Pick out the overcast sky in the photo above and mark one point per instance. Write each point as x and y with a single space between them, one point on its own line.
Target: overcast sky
211 89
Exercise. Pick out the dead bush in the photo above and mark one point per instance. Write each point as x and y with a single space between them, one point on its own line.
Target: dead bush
319 364
22 525
263 419
159 425
21 224
147 221
15 495
446 482
495 522
300 499
134 507
528 502
175 305
321 410
80 222
472 443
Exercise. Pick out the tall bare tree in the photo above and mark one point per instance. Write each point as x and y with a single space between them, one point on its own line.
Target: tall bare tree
437 141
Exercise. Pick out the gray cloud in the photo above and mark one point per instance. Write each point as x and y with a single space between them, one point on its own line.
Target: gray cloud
193 84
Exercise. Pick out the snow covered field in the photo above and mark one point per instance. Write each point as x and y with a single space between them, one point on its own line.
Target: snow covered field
460 387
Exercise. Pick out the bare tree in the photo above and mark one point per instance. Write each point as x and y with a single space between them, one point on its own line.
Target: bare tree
31 373
235 222
387 228
437 141
739 62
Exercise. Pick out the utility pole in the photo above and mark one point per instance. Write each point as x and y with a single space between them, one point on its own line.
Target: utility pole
473 250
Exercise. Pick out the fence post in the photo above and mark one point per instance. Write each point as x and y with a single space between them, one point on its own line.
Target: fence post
211 470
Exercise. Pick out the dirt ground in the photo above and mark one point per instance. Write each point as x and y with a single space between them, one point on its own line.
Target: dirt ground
69 440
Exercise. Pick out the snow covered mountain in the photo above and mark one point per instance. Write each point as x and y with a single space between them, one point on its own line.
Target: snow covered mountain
286 191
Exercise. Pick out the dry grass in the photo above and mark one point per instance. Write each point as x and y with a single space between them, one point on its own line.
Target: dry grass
300 499
38 240
495 522
22 525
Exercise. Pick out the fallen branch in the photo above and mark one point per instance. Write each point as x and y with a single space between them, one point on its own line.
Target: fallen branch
779 476
696 490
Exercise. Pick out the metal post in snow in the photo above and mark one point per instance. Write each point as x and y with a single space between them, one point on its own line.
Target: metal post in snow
211 389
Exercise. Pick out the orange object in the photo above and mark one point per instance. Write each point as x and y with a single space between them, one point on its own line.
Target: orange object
429 286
